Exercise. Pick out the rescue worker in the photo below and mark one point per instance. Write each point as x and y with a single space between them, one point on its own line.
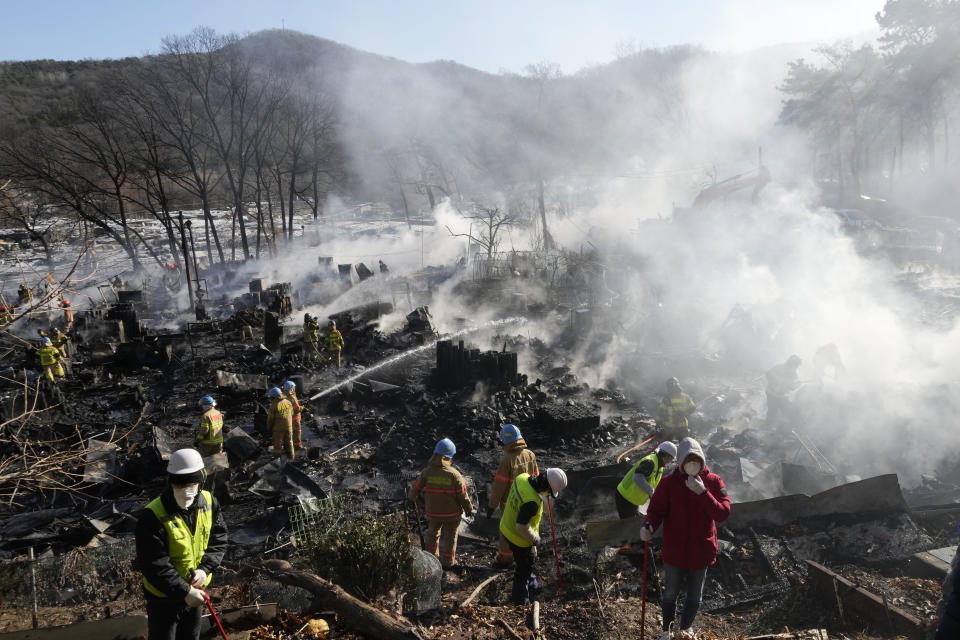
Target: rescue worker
516 459
280 423
290 393
675 407
117 283
311 337
181 538
67 315
688 503
24 294
5 316
642 479
827 360
383 267
782 380
49 359
520 524
210 436
59 341
445 500
334 343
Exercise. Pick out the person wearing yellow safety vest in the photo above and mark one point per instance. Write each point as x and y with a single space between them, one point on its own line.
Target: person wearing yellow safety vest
520 525
180 540
334 343
5 316
210 436
311 337
640 481
675 407
48 357
280 423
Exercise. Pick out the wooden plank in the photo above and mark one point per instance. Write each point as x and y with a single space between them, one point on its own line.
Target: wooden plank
869 605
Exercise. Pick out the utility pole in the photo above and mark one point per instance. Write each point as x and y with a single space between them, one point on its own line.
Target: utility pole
186 255
193 250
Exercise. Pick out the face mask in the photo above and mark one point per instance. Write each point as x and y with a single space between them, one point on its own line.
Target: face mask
691 468
185 495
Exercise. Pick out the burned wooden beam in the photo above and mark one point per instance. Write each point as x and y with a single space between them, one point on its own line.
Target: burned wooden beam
829 585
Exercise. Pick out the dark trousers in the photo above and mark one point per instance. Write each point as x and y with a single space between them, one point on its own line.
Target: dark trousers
525 581
172 619
674 577
625 508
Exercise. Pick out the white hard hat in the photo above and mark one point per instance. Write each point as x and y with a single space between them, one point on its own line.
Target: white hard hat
668 448
184 461
557 480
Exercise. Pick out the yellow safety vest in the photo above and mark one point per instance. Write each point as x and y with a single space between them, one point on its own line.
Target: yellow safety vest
47 356
629 489
211 428
520 493
334 341
676 412
186 549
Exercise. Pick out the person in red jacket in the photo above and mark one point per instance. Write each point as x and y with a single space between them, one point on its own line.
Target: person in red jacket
688 503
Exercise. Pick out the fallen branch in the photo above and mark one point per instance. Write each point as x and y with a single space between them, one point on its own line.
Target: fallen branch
353 613
510 632
477 591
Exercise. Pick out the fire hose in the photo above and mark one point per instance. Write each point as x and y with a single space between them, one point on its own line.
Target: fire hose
643 593
634 448
556 553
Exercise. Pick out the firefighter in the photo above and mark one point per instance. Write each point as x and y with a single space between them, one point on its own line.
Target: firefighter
210 436
24 294
383 267
446 500
675 407
49 359
181 539
280 423
5 316
516 459
520 524
782 380
290 393
334 343
311 337
638 485
67 315
60 342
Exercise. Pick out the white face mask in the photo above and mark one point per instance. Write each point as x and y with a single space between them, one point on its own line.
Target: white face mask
185 495
691 468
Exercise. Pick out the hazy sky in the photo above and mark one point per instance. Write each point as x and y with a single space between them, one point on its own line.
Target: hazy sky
491 35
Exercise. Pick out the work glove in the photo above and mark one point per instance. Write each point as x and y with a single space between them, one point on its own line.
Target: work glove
695 484
199 577
194 597
646 533
536 539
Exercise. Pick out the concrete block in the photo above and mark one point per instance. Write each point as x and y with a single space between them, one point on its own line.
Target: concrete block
934 563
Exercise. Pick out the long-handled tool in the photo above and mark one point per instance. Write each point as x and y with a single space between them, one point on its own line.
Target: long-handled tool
556 553
416 517
643 593
213 613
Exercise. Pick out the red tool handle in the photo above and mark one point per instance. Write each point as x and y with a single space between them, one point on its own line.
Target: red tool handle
213 613
556 554
643 594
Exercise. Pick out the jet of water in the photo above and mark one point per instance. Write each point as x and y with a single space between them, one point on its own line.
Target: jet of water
410 352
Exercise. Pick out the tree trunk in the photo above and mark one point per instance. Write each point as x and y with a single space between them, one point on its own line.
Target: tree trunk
283 207
353 613
547 238
293 191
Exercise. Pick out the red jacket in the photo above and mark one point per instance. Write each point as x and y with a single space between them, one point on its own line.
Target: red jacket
689 529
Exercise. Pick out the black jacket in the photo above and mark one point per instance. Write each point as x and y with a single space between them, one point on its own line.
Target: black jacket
153 556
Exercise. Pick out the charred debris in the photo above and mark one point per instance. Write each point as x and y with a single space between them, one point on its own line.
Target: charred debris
78 458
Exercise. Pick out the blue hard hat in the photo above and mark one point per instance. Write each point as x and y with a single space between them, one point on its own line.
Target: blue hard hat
509 433
289 385
207 401
275 392
47 340
445 448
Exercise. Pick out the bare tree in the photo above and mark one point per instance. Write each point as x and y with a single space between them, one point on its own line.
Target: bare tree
491 222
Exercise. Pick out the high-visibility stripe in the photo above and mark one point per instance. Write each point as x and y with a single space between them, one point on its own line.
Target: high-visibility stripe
446 492
445 515
502 478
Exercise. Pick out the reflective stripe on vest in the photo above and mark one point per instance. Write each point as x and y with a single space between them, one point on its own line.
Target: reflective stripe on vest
47 356
211 428
520 493
676 412
186 549
629 489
